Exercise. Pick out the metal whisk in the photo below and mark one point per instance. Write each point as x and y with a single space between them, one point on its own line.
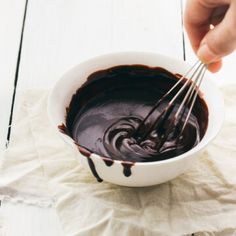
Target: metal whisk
190 83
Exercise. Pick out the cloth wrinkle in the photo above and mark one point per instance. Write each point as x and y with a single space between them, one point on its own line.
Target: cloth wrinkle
170 205
218 173
38 165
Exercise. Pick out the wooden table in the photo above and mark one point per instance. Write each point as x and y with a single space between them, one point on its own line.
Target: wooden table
41 39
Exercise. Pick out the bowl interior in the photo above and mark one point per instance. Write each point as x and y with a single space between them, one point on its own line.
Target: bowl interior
61 94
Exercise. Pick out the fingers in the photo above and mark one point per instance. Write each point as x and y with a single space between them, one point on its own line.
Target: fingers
221 40
215 66
197 17
196 21
211 45
218 15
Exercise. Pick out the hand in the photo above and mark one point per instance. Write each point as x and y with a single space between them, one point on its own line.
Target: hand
211 27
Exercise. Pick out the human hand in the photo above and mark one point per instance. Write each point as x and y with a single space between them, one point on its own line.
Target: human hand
211 27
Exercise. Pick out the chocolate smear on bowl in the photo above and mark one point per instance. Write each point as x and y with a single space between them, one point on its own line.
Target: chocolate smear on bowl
106 111
127 168
92 167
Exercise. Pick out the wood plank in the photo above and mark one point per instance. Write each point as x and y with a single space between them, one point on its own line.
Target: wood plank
26 220
227 75
11 18
60 34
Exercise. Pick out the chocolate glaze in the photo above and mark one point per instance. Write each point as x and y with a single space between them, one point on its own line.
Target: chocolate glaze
87 153
93 170
106 111
127 168
108 161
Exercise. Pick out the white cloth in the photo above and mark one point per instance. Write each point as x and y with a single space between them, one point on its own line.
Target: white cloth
40 168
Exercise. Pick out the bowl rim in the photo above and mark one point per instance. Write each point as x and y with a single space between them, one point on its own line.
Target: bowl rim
200 146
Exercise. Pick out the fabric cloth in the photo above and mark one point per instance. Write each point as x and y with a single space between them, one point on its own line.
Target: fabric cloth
39 168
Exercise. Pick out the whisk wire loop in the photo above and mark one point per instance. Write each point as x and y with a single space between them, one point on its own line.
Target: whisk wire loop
193 77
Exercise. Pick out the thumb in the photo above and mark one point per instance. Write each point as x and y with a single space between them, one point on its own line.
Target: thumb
221 40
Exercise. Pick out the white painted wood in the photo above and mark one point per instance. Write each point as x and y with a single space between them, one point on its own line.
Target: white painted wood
23 220
11 17
227 75
60 34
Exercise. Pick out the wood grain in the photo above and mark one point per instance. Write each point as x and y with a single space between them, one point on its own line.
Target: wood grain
11 18
60 34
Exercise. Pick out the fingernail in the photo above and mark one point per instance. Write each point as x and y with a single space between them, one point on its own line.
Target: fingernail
206 55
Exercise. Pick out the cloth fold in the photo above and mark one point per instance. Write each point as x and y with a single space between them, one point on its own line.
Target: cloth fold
39 165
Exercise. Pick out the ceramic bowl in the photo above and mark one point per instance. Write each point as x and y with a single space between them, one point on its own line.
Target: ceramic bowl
143 174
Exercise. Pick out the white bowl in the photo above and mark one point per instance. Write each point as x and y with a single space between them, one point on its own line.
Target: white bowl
143 174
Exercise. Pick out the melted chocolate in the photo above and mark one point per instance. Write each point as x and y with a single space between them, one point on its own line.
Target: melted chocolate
105 113
86 153
127 168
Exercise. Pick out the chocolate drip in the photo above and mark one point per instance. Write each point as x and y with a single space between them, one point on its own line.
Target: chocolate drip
93 169
83 151
127 168
108 161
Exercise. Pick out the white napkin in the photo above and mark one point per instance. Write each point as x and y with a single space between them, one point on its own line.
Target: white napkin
39 168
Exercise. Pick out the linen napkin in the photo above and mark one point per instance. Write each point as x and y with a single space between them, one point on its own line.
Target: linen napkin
39 168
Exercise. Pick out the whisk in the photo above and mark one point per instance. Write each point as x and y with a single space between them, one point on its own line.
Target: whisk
190 83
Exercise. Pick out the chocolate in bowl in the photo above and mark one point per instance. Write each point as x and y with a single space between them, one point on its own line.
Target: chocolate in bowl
112 170
107 109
